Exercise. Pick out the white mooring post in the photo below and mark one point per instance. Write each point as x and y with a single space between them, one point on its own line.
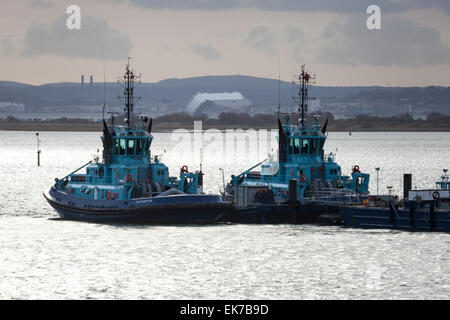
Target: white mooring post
38 150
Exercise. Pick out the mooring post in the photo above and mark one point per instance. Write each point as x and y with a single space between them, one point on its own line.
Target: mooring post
38 150
432 214
407 185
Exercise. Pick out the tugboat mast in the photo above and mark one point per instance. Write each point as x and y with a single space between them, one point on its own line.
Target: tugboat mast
304 79
129 82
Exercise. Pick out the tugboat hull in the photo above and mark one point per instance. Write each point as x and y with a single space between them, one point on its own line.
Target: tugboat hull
296 213
175 209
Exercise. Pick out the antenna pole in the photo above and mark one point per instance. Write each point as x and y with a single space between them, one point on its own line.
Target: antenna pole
104 82
302 93
128 91
304 80
129 82
279 93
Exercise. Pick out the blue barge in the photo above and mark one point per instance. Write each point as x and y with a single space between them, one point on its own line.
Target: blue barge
129 185
420 210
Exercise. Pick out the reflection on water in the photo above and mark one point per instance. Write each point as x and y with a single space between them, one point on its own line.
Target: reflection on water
44 257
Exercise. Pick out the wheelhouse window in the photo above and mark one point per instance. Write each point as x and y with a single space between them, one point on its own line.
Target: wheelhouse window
130 148
296 145
122 146
305 143
141 146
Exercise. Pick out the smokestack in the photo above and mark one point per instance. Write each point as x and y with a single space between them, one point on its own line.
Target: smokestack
91 80
407 184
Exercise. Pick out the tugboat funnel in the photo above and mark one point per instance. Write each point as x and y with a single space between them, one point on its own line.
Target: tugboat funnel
324 128
149 129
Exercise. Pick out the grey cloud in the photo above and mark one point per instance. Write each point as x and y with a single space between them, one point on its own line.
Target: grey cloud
55 38
261 38
206 51
41 4
187 4
336 6
352 6
6 46
296 38
293 34
401 42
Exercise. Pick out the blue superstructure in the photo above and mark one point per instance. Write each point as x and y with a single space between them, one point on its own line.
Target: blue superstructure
302 168
128 177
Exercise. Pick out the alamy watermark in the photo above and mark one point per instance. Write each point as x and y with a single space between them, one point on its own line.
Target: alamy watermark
73 22
374 20
249 144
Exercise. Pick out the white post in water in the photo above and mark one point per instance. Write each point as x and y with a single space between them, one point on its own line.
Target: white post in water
38 149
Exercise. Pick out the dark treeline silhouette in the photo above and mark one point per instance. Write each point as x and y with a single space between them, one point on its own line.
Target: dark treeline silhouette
434 122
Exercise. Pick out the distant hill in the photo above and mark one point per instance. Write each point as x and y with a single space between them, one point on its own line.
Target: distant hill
13 84
179 92
175 91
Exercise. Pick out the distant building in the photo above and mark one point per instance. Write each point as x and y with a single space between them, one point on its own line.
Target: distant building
82 80
213 104
11 107
91 80
314 106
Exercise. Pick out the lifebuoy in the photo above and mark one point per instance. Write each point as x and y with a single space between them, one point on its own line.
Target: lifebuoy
129 178
108 195
302 177
436 195
184 169
356 168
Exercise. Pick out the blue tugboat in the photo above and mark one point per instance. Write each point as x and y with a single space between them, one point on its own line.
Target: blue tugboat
304 184
131 186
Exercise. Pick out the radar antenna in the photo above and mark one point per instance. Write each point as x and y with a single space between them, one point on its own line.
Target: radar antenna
305 80
129 81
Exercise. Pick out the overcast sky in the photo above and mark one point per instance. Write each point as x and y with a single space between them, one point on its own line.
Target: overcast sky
187 38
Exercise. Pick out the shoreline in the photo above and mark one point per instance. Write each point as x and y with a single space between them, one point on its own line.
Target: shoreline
169 127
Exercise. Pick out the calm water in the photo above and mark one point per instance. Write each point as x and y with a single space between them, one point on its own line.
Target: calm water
43 257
